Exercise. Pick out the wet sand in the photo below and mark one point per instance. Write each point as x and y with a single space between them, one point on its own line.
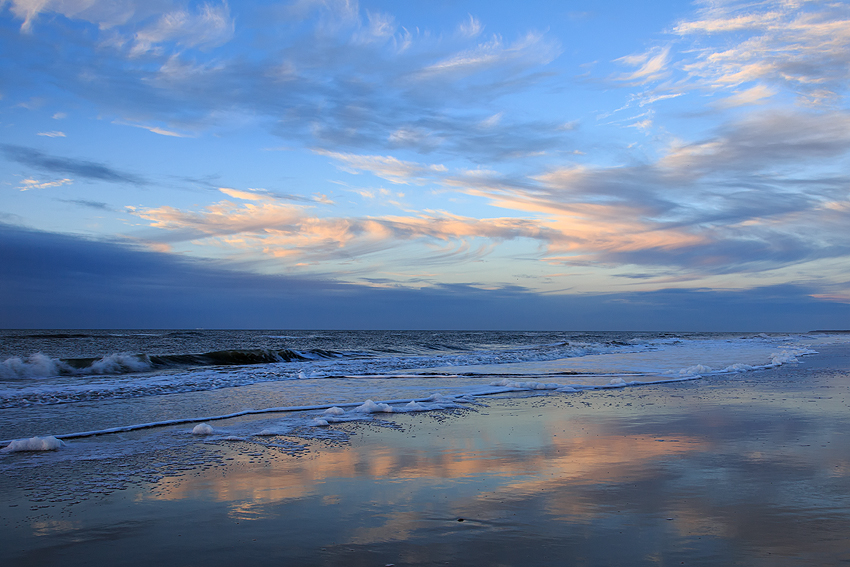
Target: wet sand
749 469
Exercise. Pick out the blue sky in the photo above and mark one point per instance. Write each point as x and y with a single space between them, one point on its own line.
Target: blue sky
436 164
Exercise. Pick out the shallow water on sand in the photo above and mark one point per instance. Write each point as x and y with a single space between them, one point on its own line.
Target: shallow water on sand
720 471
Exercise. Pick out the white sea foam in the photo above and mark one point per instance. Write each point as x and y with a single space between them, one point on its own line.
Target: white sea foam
271 431
41 366
524 385
694 370
371 407
784 357
203 429
49 443
738 367
35 365
334 411
120 363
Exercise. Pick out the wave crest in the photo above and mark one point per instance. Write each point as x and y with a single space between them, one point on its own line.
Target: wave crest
39 365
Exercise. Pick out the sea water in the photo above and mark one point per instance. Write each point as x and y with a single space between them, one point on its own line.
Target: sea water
139 396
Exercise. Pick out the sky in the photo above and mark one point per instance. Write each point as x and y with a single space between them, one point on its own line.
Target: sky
339 164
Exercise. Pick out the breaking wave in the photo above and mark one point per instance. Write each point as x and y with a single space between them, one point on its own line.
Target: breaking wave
40 365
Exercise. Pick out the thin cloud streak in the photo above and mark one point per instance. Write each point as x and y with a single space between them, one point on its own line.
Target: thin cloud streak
80 168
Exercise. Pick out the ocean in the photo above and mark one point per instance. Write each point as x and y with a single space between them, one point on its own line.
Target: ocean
150 434
81 383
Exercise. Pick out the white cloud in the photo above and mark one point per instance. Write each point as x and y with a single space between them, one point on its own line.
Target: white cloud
380 27
803 46
642 125
656 97
754 95
718 19
390 168
153 129
249 195
471 27
530 48
52 134
210 26
104 13
653 65
492 121
28 184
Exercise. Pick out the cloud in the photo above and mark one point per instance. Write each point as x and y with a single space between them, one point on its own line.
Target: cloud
53 134
98 205
766 139
675 214
760 193
532 48
209 27
800 46
153 129
745 52
250 195
355 79
471 27
754 95
749 199
380 27
652 65
57 281
720 18
387 167
288 231
28 184
80 168
104 13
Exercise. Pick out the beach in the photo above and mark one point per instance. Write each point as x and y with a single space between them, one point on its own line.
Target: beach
734 469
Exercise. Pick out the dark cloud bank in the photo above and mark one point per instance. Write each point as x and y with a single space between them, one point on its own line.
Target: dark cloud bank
50 280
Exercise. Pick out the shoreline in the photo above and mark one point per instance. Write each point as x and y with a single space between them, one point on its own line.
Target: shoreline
751 469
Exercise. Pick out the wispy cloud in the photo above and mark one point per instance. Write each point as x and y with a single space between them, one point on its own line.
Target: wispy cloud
28 184
532 48
53 134
355 78
79 168
98 205
471 27
387 167
287 231
651 65
210 26
800 46
153 129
